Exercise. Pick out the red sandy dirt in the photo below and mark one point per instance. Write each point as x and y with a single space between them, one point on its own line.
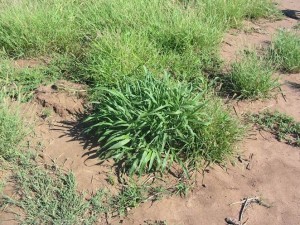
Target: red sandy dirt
273 173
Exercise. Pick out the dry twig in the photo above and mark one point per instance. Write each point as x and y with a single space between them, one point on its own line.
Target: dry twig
245 203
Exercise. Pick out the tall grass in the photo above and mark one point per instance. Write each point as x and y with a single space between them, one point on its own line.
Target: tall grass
12 129
285 51
117 37
151 123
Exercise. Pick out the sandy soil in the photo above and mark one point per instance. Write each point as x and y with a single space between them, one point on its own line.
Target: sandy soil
273 173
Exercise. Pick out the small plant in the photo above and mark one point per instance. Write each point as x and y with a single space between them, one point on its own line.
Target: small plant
284 127
129 197
285 51
46 113
251 77
110 179
151 123
182 188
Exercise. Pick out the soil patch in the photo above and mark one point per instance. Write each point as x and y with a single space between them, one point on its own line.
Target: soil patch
64 97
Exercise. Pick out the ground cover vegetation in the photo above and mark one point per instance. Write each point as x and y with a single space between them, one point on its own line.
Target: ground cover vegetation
150 123
285 51
147 121
251 77
284 127
105 40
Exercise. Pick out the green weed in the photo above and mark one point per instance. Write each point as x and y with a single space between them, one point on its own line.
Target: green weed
285 51
46 113
284 127
150 123
251 77
182 189
297 26
35 28
130 197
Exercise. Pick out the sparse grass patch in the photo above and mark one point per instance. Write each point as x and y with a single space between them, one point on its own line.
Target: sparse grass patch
251 77
50 197
151 123
284 127
18 82
285 51
12 129
130 197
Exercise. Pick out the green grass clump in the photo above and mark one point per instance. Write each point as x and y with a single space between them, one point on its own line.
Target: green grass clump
150 123
12 129
285 51
284 127
251 77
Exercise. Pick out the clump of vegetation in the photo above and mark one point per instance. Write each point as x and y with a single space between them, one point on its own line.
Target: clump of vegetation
130 197
284 127
12 129
251 77
182 188
150 123
285 51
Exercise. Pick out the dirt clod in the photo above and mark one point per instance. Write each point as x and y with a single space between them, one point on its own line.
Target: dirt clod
64 97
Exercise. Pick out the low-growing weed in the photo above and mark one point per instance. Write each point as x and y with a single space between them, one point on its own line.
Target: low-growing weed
46 113
251 77
182 188
284 127
149 124
50 197
285 51
130 197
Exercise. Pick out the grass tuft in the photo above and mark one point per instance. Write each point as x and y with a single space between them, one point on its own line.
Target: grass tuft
130 197
285 51
251 77
150 123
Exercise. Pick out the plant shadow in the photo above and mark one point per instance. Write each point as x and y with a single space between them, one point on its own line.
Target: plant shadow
294 14
293 85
